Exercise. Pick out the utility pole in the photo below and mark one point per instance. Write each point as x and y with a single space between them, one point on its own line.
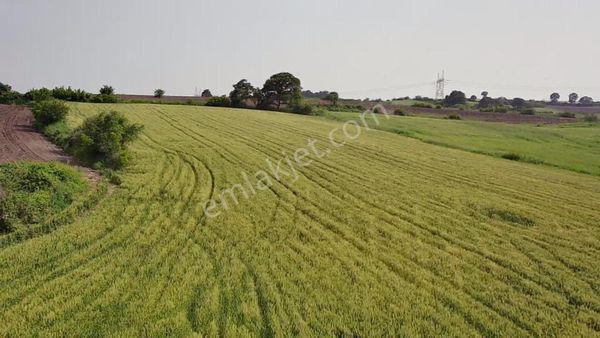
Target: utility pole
439 86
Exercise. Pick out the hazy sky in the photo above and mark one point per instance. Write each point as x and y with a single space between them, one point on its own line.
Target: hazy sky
372 48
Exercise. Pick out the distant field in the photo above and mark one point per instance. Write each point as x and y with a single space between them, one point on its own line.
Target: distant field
384 236
570 146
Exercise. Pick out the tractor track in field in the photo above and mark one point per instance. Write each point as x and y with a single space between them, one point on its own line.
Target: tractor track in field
20 141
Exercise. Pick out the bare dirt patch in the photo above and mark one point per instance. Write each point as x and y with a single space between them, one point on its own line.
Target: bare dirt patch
20 141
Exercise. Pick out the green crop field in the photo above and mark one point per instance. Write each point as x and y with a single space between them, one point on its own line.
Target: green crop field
384 235
570 146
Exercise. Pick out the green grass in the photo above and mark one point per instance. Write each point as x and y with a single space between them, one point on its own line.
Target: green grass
574 147
386 236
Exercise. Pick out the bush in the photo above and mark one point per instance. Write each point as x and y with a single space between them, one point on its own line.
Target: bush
346 108
454 117
512 156
58 133
303 108
68 94
36 191
591 118
104 98
49 111
399 112
567 115
104 138
219 101
528 111
37 95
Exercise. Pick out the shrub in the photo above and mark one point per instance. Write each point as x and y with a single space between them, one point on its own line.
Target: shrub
528 111
49 111
104 138
37 95
501 109
304 108
399 112
68 94
345 108
422 105
512 156
567 115
454 117
36 191
59 133
219 101
7 95
591 118
104 98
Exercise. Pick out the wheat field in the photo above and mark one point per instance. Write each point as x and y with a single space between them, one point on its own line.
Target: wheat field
383 236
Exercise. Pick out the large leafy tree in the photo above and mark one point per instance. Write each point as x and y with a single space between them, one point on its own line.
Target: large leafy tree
586 100
573 97
554 97
281 88
107 90
518 103
333 97
242 91
456 97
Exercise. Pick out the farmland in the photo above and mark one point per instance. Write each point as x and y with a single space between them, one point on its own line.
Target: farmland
386 235
574 147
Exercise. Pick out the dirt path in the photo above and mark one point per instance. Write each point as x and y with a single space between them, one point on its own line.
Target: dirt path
20 141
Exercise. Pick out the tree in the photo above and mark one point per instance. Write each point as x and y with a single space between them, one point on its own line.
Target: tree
242 91
4 88
554 97
257 97
7 95
456 97
206 93
484 94
518 103
107 90
486 102
159 93
573 97
586 100
473 98
281 88
333 97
